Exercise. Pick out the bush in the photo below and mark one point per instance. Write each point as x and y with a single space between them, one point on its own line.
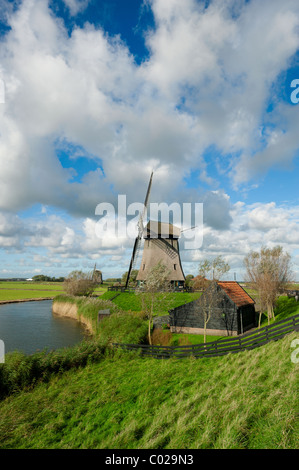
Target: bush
79 283
161 337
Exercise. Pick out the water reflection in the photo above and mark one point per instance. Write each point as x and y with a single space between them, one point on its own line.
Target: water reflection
31 326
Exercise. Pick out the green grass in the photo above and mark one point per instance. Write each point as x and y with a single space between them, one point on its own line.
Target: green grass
178 339
120 326
21 290
26 294
90 396
132 301
28 290
23 285
285 307
21 370
247 400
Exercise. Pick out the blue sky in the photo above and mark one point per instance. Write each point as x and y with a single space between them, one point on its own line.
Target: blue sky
100 93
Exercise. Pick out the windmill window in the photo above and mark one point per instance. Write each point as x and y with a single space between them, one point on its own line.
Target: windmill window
143 267
174 266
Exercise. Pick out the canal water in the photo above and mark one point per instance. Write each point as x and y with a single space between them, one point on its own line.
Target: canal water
31 326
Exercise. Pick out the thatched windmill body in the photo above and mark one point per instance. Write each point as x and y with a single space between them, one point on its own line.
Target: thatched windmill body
161 244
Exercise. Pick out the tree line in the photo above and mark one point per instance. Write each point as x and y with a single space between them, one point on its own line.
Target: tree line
43 278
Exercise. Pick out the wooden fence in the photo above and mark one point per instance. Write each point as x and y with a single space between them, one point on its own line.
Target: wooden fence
229 345
133 289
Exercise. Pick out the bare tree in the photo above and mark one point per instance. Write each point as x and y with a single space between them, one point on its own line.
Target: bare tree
269 272
210 301
216 267
153 292
199 283
207 309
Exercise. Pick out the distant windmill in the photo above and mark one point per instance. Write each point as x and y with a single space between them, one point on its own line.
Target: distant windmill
97 275
160 244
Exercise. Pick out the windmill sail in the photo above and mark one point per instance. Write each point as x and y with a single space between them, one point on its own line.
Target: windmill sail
140 232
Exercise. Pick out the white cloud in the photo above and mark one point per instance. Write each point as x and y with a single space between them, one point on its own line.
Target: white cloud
225 67
76 6
192 92
267 216
252 227
60 243
207 81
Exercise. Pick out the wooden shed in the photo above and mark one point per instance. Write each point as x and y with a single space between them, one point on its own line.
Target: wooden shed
231 310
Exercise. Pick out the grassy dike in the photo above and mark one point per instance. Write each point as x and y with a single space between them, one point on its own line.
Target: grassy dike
243 401
121 326
21 371
90 396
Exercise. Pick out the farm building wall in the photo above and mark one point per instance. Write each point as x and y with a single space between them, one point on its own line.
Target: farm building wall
247 318
226 317
189 318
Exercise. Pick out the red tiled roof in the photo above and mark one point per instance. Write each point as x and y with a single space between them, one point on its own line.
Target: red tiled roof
236 293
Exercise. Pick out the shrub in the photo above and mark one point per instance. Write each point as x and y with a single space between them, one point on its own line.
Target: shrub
79 283
161 337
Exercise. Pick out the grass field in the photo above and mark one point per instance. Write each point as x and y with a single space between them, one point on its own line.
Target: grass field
23 285
20 290
93 397
247 400
28 290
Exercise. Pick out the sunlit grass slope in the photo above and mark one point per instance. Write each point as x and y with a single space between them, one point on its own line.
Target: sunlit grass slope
245 400
165 302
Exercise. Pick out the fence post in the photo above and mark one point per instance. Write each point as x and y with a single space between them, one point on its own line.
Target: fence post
294 324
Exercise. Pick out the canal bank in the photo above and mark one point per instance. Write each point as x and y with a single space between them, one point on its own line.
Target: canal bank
70 310
39 299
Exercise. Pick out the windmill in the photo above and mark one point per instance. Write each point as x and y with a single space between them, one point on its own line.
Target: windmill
160 244
97 275
140 228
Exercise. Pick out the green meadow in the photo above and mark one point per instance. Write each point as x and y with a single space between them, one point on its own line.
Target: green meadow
21 290
92 396
241 401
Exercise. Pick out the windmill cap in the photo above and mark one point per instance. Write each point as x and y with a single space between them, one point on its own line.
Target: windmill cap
161 229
